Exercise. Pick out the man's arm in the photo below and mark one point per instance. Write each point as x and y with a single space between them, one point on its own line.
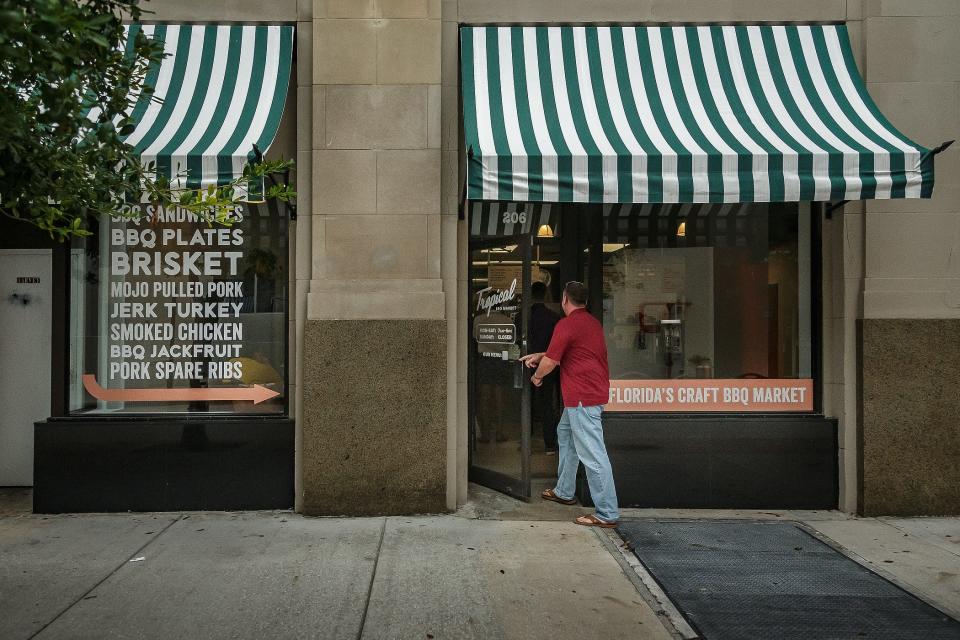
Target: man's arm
545 368
546 364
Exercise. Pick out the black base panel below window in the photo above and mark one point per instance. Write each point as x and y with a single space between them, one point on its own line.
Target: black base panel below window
110 465
735 462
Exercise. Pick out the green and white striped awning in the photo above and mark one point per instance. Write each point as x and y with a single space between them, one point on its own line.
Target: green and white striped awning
219 90
677 114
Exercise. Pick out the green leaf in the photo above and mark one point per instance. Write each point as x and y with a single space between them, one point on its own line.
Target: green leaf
59 59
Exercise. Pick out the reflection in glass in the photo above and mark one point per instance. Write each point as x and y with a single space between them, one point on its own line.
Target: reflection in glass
496 295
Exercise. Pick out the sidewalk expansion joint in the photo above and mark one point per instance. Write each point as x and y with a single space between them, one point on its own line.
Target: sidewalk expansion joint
884 520
106 577
373 577
913 589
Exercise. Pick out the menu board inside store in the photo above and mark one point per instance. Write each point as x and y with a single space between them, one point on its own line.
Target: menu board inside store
186 314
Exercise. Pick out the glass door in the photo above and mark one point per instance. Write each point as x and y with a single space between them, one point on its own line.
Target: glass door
499 386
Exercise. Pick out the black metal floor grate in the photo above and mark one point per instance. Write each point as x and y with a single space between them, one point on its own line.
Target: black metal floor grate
759 580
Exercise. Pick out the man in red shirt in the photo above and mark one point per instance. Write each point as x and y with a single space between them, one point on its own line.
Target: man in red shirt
579 349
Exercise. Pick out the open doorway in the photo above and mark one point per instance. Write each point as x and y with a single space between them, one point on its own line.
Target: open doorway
519 263
718 296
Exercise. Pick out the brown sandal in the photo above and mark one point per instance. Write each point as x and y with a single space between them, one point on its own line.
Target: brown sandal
593 521
548 494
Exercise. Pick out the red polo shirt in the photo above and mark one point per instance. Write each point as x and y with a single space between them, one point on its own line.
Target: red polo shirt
579 347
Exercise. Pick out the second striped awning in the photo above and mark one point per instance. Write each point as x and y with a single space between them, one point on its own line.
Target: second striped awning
219 90
622 114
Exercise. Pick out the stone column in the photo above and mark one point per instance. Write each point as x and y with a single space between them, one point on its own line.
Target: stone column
909 341
375 339
454 264
842 246
302 256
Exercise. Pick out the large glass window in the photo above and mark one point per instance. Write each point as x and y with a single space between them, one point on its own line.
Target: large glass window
170 314
708 307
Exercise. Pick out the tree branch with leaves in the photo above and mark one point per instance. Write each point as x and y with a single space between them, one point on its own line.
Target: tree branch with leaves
60 169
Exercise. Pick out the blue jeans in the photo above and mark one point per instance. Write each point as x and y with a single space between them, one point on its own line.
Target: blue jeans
580 436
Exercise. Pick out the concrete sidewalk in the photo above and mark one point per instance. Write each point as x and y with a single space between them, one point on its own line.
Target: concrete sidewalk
497 569
280 575
921 555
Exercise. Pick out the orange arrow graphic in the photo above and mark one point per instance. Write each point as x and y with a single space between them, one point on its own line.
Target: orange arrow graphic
257 393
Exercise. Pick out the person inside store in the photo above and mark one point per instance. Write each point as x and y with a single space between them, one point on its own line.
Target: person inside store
543 319
578 348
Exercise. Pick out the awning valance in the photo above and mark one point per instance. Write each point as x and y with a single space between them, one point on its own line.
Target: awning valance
730 224
677 114
503 219
220 90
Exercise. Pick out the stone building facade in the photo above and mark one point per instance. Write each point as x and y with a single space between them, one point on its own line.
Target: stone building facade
378 324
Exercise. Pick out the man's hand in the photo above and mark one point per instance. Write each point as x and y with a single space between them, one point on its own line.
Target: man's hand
532 360
543 364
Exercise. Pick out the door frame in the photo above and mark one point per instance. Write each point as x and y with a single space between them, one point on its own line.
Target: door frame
510 485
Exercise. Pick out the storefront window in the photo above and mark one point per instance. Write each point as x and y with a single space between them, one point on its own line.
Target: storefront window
708 307
170 314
